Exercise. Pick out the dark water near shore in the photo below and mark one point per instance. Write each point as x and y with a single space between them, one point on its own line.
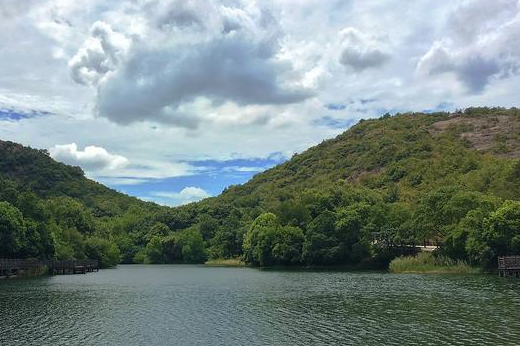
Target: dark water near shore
196 305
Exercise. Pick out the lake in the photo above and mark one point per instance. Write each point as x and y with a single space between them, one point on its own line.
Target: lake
196 305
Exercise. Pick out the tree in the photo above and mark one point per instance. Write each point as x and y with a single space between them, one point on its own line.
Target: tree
223 244
159 229
69 243
31 206
69 213
154 251
12 230
172 248
500 235
429 217
288 245
440 211
140 256
260 240
293 214
8 191
208 226
321 243
126 247
353 227
192 245
398 226
461 239
103 250
38 241
267 242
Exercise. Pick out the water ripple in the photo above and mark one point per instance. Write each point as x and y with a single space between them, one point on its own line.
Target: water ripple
194 305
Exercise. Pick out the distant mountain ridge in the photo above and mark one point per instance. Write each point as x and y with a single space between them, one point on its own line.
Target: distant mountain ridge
372 148
35 170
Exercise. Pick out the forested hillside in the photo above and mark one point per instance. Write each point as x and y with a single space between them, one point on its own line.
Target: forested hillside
50 210
397 180
450 178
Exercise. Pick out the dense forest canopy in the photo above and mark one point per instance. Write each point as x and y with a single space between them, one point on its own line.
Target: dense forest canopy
453 178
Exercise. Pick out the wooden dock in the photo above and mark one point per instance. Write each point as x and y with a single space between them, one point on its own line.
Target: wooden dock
11 267
509 266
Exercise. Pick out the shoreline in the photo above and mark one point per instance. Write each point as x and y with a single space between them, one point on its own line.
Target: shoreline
229 262
428 263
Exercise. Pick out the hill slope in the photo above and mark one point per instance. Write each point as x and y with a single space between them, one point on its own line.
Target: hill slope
400 149
392 181
49 209
355 199
35 170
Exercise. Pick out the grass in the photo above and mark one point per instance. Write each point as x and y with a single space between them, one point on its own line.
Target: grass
228 262
429 263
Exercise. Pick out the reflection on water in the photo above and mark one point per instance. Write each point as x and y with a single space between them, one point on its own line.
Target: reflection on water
195 305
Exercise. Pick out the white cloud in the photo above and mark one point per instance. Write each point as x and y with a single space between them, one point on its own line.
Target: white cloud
360 51
244 169
99 55
150 169
187 195
471 68
474 18
224 79
232 57
111 181
176 14
112 169
92 158
482 44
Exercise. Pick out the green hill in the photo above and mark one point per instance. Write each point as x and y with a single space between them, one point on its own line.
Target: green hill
357 199
34 170
50 210
385 182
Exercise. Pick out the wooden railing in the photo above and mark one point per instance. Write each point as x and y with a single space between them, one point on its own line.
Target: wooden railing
509 266
12 266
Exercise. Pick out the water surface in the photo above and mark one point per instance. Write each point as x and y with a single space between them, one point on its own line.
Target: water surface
196 305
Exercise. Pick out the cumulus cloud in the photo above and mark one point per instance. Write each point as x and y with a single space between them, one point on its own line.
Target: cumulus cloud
117 170
234 58
474 18
473 70
99 55
487 48
360 51
177 13
92 158
148 169
187 195
266 48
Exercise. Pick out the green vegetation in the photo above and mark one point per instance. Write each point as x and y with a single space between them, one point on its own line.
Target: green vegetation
429 263
359 199
229 262
49 210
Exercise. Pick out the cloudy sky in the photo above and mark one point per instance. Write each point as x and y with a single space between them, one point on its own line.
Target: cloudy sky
172 101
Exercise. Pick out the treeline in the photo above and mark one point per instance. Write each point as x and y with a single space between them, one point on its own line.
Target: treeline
358 226
57 228
358 199
63 228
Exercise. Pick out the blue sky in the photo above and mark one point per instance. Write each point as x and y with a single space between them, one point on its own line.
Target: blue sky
173 100
213 178
13 115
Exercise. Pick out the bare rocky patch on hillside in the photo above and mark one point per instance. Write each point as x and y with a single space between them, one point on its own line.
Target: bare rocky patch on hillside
498 134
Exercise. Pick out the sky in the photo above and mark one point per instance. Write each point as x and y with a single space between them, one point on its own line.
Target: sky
172 101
